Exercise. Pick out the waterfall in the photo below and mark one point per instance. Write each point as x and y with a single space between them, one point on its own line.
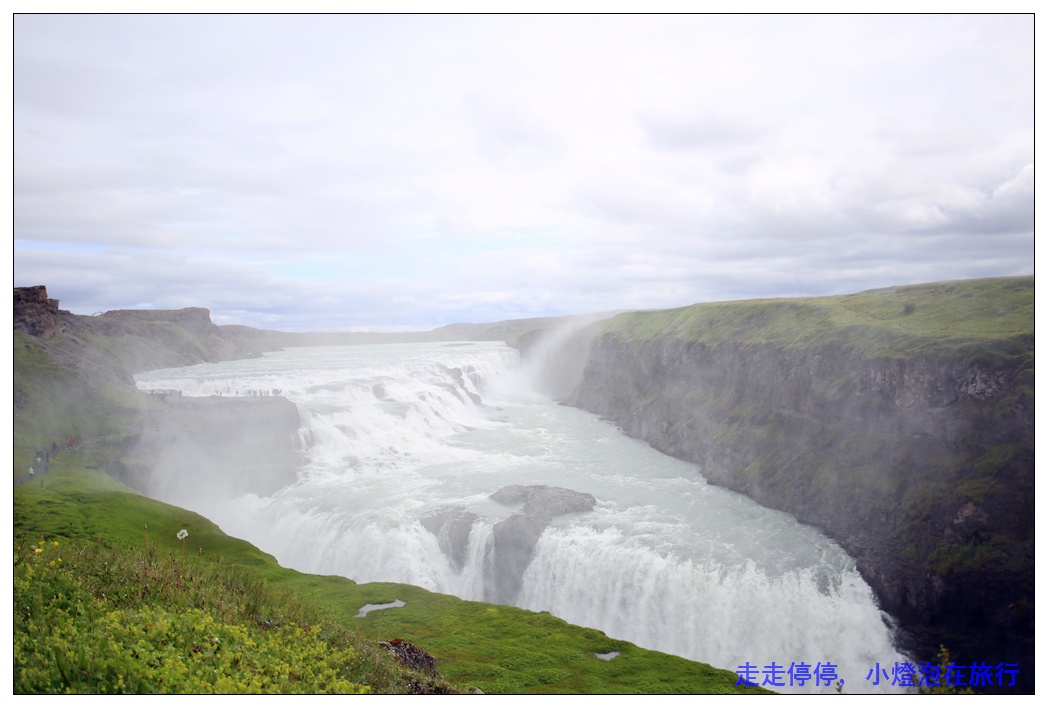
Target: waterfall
407 446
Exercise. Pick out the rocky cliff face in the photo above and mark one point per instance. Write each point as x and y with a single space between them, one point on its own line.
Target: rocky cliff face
158 338
35 314
117 344
916 455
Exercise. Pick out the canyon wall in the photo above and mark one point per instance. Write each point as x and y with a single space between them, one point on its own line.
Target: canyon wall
898 421
169 447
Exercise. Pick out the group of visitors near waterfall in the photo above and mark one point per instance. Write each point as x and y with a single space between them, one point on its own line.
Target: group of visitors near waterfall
42 460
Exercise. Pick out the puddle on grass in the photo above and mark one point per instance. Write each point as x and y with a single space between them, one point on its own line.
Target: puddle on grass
368 608
607 656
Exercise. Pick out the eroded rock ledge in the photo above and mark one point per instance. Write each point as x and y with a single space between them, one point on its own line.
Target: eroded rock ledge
35 313
514 538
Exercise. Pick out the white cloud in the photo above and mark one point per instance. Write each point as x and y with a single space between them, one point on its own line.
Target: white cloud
332 172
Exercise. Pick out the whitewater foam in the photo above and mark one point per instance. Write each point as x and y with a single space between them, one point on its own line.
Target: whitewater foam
395 433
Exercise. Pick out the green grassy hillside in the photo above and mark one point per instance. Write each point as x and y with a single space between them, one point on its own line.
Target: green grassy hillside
893 321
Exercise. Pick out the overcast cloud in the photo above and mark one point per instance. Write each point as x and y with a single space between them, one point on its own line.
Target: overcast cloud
328 173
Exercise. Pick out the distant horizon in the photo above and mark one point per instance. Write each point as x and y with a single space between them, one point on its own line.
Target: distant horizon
377 330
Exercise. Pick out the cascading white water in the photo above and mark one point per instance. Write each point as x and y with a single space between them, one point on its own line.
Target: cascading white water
401 438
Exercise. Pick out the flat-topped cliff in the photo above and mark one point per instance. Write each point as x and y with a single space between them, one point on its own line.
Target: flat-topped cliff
35 313
76 380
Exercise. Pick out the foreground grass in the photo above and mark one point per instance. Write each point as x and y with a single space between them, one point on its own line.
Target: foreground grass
95 620
114 616
108 603
533 652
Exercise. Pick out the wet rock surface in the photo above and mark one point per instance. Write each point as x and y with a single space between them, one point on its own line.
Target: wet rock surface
451 526
516 537
544 501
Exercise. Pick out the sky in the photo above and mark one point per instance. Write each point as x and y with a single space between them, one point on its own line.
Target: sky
397 172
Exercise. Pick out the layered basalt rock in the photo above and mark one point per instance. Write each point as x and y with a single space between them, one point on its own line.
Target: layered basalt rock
35 313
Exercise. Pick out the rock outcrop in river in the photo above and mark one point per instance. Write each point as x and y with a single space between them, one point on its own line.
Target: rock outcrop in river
515 537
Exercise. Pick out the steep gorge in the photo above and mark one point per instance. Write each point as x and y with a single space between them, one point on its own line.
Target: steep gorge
898 421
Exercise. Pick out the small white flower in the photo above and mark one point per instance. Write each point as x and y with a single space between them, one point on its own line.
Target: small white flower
183 534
